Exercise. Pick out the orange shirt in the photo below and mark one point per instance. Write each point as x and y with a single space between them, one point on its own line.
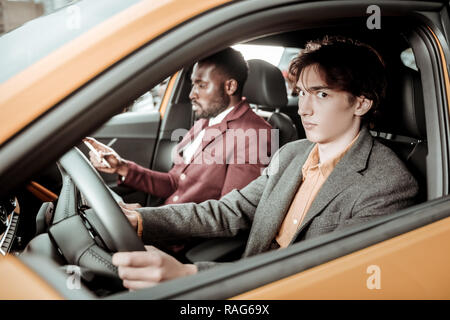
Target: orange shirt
314 175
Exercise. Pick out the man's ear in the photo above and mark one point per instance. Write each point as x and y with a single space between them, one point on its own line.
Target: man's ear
363 105
231 86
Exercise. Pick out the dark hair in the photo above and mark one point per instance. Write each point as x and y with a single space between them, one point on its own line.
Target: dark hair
346 65
232 63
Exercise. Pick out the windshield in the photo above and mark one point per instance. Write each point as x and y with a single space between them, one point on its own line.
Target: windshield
37 38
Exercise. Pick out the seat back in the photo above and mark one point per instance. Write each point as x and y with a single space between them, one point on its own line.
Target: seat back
403 128
265 89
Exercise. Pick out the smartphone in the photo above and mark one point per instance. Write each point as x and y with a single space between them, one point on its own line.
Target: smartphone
104 162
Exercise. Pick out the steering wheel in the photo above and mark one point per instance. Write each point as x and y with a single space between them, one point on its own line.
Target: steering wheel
78 240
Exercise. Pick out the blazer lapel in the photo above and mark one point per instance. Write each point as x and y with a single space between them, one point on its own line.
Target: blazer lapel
275 206
211 134
218 130
346 172
187 139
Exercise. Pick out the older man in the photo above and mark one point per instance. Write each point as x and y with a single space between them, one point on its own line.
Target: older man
211 160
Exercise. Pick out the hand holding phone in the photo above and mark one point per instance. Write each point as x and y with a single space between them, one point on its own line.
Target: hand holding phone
97 155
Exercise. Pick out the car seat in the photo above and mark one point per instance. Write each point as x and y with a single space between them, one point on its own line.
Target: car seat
402 127
265 90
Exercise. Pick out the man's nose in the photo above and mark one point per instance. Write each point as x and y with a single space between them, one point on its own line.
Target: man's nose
193 94
304 105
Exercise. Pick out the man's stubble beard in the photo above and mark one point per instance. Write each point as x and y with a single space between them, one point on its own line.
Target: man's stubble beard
217 106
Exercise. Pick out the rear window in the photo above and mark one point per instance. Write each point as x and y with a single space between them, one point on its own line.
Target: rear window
277 55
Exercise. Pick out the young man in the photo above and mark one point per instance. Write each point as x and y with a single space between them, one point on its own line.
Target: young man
340 176
198 173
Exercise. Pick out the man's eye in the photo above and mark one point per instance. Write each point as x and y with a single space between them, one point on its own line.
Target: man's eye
301 93
321 94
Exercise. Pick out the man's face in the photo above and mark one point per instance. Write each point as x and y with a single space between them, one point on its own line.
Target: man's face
208 92
327 114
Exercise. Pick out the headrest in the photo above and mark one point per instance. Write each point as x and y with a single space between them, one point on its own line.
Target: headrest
265 85
404 113
413 112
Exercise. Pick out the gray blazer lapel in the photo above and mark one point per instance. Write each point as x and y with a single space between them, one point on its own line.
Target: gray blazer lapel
273 208
344 174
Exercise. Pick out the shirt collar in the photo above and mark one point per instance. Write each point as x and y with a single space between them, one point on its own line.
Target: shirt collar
312 162
218 119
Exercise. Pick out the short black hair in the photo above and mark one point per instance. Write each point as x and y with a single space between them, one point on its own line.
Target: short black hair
232 63
347 65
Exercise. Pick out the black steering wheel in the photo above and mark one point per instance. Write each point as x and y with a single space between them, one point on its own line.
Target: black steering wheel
79 240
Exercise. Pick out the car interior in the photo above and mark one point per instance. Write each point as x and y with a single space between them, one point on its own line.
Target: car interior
404 125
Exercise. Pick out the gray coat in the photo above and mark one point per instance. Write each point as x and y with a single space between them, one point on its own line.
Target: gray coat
368 182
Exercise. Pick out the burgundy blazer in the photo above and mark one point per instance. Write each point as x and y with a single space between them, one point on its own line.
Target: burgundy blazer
218 166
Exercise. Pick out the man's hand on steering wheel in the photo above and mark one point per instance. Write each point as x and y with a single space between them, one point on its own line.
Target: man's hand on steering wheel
134 217
141 269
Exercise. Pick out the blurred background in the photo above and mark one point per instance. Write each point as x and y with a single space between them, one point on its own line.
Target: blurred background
14 13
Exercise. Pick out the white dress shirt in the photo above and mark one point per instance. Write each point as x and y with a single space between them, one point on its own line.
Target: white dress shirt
190 149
